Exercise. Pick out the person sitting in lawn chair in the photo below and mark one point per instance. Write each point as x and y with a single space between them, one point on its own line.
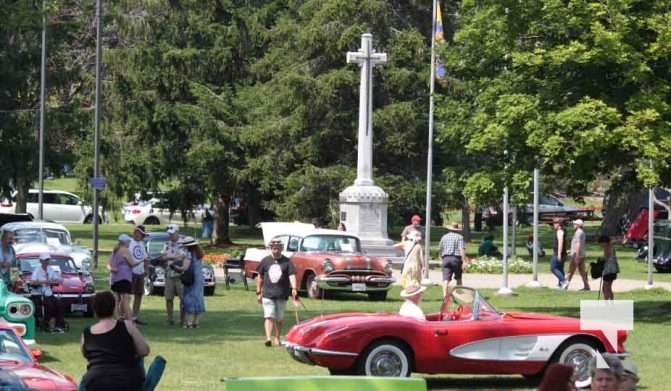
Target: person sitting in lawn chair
46 304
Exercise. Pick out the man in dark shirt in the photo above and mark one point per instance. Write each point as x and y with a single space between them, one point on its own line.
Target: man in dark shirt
275 282
559 253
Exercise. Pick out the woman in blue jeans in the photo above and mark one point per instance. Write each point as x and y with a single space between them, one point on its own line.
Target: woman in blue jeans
559 253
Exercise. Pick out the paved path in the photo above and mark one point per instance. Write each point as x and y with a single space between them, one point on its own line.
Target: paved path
494 281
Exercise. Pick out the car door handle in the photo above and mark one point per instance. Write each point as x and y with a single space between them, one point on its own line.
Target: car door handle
439 332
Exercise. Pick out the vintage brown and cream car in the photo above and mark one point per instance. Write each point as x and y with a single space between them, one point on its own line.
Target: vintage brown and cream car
325 260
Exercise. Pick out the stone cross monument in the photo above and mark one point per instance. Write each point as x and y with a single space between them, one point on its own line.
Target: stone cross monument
363 206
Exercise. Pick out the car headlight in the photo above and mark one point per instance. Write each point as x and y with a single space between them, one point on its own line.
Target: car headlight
389 267
86 264
89 287
207 273
327 266
20 310
160 273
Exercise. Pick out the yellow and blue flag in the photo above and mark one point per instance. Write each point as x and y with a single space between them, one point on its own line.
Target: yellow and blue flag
440 38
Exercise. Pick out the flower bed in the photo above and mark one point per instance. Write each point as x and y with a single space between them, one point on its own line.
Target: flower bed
491 265
216 259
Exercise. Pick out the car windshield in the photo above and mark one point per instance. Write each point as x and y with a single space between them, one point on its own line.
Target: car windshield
331 243
64 265
51 236
468 301
11 348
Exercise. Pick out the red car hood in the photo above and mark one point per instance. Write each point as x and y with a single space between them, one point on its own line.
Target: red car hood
40 377
70 283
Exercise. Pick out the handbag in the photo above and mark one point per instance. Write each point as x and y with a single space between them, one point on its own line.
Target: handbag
187 277
596 268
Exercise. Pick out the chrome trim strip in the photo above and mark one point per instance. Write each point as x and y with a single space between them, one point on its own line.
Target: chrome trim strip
319 352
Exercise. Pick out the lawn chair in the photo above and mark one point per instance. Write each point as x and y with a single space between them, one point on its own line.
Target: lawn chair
235 264
154 373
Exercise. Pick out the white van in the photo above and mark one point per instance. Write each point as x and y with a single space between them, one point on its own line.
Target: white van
57 205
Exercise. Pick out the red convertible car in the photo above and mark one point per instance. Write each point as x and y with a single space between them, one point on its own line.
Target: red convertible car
467 336
76 289
20 370
325 260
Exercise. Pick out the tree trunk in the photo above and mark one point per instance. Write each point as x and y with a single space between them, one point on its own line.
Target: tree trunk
220 233
466 223
21 193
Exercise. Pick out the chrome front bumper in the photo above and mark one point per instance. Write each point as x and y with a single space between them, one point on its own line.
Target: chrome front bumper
348 284
300 353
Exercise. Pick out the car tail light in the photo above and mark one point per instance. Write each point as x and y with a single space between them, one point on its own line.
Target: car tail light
136 211
5 204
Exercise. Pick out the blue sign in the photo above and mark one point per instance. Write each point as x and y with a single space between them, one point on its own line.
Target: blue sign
98 183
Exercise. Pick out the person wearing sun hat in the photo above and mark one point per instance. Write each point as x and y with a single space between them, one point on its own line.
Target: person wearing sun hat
452 250
413 299
193 303
275 282
578 254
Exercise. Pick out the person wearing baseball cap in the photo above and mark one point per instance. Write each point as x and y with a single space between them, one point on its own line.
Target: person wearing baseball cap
138 250
275 282
578 254
42 280
415 226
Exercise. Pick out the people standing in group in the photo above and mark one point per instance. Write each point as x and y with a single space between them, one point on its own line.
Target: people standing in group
138 250
276 281
41 281
8 260
578 254
194 300
608 377
452 250
413 298
610 267
112 349
173 256
121 266
559 253
341 227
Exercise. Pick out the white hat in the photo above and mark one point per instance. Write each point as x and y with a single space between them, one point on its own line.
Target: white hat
188 241
578 222
173 228
45 256
413 288
124 238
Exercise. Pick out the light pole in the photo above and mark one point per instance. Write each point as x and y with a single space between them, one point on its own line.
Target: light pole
96 142
651 231
43 81
534 283
505 290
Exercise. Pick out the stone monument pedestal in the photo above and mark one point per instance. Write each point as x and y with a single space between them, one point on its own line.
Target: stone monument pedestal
363 209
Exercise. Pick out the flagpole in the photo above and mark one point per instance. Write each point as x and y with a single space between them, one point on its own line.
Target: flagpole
429 155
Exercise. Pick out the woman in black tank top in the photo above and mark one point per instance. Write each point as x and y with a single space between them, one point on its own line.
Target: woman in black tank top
112 349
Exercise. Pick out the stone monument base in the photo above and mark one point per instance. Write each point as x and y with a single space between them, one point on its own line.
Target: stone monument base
363 209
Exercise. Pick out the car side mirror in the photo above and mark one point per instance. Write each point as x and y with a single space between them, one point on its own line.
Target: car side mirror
36 353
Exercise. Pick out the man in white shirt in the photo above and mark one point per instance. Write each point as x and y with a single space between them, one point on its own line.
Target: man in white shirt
172 254
138 250
413 298
44 277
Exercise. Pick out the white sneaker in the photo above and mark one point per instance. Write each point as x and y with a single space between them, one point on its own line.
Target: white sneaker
564 285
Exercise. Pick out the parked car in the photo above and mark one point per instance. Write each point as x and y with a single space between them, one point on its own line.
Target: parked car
155 211
40 236
466 336
549 207
57 205
154 282
18 312
75 289
325 260
661 253
20 369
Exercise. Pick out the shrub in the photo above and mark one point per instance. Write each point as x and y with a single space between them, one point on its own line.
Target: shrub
492 265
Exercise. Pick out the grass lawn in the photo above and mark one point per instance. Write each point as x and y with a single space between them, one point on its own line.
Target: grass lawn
230 340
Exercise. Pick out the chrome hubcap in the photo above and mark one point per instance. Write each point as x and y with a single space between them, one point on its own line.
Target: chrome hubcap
386 364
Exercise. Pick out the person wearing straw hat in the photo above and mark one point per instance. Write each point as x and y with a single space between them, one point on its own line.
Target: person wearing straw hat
413 298
193 302
452 250
275 282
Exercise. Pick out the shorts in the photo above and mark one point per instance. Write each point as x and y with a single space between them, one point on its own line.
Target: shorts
122 286
609 277
173 287
274 308
452 265
137 285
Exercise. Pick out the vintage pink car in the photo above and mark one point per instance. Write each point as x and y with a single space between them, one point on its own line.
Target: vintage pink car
467 336
325 260
20 370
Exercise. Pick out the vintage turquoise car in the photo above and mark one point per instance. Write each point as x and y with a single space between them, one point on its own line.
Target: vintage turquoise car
19 312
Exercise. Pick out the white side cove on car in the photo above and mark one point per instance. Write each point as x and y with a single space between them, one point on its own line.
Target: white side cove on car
519 348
